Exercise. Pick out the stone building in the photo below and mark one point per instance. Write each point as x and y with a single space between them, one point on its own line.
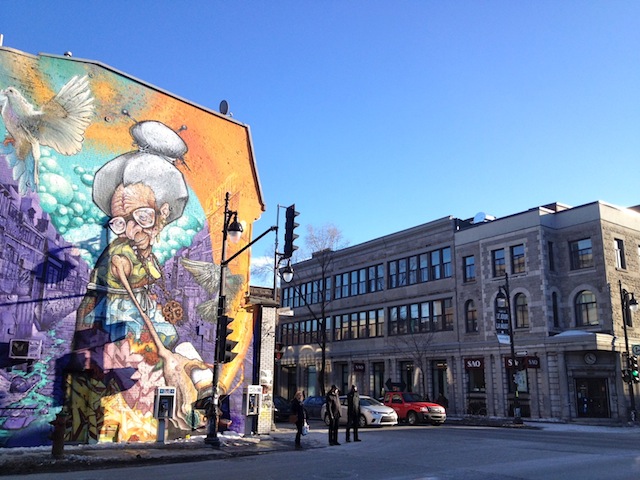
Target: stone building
417 310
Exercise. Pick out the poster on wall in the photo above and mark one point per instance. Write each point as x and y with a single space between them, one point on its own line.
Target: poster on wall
112 196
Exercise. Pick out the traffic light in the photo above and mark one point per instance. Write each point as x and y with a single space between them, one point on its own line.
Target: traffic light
279 350
633 369
289 227
224 344
626 378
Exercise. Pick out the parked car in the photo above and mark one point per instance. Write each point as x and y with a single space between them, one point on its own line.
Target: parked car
313 405
412 409
281 408
372 412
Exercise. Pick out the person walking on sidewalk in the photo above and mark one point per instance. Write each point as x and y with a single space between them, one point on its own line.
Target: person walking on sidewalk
353 412
333 412
298 409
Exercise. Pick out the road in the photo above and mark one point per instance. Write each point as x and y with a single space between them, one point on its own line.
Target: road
422 453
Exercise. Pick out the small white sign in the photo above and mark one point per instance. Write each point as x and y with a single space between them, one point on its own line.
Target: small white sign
504 339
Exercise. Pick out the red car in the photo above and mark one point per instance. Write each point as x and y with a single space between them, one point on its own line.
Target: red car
412 409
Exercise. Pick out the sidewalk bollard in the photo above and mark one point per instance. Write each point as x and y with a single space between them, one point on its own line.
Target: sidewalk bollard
57 447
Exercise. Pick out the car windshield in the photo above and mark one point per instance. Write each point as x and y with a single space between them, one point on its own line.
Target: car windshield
412 397
367 401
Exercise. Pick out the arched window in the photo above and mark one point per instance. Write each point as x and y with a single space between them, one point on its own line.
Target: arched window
471 315
522 311
586 309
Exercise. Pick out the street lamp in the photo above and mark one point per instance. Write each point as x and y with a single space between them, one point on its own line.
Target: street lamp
629 304
233 231
504 304
286 272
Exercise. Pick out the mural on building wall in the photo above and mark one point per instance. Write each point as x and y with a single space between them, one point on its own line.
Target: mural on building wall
107 270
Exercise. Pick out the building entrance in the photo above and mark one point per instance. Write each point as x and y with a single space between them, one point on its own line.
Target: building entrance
592 398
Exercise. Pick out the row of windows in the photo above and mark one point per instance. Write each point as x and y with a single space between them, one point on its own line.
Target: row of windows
432 316
359 282
306 293
585 307
498 263
426 267
437 264
581 256
424 317
359 325
350 326
420 268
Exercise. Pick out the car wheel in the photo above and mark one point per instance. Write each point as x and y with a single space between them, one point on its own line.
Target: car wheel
362 421
412 418
327 422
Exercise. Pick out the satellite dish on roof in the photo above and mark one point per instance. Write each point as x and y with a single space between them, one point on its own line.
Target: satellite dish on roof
479 217
224 107
482 217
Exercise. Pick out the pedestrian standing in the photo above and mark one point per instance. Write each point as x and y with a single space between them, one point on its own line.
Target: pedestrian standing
298 409
353 412
333 412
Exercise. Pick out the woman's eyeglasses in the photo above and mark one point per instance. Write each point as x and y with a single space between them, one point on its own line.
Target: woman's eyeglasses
143 216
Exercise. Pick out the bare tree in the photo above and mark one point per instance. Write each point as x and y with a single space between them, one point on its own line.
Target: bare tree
320 246
415 346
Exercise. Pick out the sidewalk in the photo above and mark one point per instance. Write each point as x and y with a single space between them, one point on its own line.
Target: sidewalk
86 457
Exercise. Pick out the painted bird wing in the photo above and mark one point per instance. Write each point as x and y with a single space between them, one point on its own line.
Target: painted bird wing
63 120
206 274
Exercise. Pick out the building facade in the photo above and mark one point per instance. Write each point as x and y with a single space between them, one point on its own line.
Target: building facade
112 203
421 310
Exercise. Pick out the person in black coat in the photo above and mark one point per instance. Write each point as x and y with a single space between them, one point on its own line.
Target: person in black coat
333 412
298 409
353 412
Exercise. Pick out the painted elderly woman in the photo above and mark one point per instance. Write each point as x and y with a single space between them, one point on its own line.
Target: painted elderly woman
119 319
141 192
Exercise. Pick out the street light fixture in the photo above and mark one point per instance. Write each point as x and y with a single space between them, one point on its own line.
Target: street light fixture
286 272
629 305
503 302
233 231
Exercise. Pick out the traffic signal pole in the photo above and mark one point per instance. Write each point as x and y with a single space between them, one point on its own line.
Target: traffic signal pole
626 313
221 351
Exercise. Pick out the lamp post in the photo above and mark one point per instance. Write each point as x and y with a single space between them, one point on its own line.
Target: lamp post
232 230
504 303
629 304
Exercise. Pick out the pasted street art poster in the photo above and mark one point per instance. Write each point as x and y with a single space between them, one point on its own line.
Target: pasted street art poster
112 196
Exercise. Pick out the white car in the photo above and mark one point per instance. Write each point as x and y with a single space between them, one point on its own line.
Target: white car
372 412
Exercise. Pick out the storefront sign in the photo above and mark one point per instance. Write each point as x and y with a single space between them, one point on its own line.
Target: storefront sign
532 362
523 362
358 367
473 363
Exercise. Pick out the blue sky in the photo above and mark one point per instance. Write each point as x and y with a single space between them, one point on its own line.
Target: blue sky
377 116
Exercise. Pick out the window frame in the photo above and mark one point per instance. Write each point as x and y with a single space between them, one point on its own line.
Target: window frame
517 259
581 256
586 311
498 262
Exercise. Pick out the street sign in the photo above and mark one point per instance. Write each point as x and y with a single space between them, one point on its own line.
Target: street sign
502 325
635 349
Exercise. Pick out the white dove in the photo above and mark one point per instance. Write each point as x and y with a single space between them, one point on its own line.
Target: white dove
60 124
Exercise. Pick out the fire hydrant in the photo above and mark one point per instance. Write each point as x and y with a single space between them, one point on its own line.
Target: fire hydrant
59 424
